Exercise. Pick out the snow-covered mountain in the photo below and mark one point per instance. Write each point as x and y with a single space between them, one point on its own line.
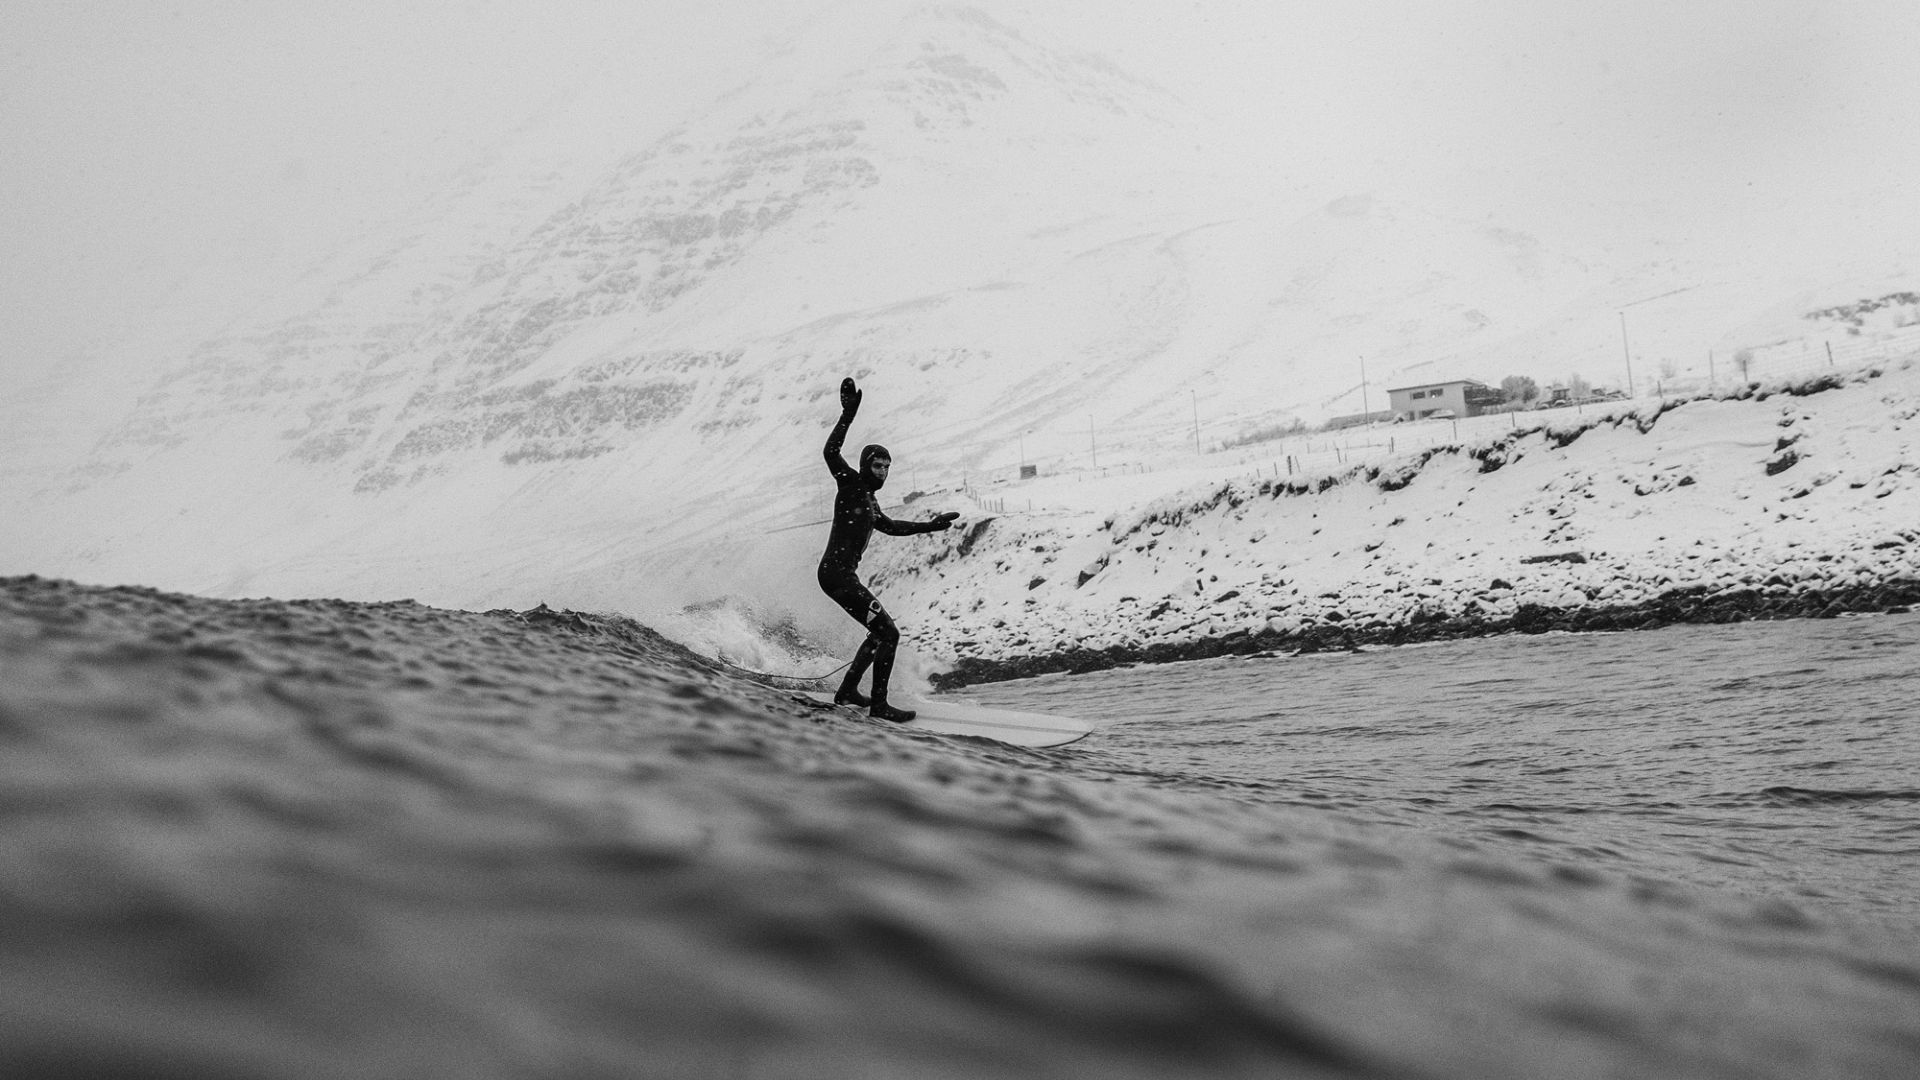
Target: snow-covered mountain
584 388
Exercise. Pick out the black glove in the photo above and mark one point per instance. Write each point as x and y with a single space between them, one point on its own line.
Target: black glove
942 522
849 397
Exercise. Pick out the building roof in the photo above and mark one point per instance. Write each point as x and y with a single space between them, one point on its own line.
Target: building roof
1431 385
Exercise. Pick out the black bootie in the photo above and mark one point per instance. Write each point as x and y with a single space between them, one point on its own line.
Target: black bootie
883 711
849 692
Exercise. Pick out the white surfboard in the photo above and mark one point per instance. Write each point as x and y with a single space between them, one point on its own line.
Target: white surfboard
1001 725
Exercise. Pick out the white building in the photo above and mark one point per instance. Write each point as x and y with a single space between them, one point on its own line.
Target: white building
1461 397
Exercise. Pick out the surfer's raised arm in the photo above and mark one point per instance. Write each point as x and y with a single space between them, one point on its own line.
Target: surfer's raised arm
849 405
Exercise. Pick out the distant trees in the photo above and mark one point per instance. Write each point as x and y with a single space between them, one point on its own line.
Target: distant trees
1519 388
1267 433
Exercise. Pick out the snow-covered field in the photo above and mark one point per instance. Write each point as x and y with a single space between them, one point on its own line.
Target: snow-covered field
1781 499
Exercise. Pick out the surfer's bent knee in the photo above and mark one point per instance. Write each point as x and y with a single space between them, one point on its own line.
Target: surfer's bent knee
880 626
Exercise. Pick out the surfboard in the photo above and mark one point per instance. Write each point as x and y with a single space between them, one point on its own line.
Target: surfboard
982 722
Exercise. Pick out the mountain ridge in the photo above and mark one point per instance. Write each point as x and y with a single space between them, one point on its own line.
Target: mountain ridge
1017 249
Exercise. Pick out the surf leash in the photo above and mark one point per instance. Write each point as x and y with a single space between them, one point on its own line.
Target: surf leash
789 678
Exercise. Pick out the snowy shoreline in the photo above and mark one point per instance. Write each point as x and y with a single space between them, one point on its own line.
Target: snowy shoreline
1784 500
1682 606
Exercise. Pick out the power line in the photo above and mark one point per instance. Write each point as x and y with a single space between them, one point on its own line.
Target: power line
1662 296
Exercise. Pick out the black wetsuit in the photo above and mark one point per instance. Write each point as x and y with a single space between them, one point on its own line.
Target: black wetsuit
856 516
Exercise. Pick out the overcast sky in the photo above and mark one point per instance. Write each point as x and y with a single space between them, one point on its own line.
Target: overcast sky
155 147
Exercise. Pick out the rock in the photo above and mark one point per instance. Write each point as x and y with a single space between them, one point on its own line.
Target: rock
1090 571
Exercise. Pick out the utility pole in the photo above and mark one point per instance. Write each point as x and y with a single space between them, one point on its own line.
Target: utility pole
1093 442
1196 420
1626 352
1364 415
1623 326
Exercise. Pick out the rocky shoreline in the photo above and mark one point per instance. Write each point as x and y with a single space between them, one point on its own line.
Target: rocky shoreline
1696 605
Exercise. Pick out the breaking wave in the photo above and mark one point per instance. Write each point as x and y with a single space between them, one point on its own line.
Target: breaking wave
319 838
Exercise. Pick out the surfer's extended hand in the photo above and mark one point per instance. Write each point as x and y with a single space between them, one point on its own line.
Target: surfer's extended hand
849 397
943 521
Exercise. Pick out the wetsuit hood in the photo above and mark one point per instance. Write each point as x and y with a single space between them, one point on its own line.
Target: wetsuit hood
867 456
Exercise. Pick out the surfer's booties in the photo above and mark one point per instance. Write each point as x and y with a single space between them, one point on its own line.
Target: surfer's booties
846 696
883 711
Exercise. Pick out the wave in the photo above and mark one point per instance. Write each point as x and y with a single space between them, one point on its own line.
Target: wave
1795 796
320 838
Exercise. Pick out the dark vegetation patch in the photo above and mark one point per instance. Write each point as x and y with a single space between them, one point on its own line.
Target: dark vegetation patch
974 532
1855 314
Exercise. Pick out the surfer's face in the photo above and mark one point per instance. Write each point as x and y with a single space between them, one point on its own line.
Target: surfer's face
877 468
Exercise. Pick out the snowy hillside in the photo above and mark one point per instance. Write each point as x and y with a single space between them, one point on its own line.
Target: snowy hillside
606 387
635 346
1791 499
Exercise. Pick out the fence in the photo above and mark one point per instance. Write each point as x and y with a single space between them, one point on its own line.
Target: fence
1318 453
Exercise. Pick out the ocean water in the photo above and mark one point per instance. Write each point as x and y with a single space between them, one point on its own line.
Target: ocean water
324 839
1773 760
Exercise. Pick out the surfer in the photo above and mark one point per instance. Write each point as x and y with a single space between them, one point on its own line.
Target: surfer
856 514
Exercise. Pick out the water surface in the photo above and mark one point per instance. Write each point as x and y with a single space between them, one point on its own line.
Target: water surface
320 839
1771 760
